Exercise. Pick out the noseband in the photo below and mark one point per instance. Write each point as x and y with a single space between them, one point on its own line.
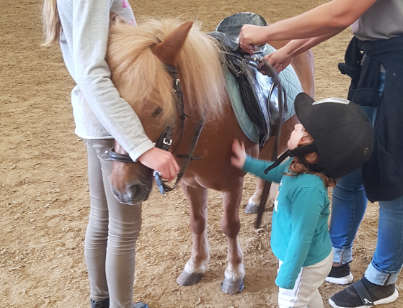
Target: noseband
165 140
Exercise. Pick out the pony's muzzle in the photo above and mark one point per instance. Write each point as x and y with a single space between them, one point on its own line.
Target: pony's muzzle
134 194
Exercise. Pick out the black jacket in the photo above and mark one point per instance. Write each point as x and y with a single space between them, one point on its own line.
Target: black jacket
383 173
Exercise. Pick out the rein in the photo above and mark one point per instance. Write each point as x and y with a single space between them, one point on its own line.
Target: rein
165 140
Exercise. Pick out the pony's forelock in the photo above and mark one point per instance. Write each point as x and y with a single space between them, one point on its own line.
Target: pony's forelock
142 78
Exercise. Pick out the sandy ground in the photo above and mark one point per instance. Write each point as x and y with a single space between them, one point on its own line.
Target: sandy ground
44 198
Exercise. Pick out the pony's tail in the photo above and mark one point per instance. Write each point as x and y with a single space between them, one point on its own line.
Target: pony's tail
51 22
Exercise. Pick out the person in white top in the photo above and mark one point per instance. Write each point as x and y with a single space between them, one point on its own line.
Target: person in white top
82 27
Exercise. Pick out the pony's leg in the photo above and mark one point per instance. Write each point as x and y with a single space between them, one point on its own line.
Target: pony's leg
197 265
235 272
254 200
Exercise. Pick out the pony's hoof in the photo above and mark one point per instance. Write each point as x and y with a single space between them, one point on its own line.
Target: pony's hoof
231 286
251 208
188 279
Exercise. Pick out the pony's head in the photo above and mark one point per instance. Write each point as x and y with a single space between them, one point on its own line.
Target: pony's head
138 58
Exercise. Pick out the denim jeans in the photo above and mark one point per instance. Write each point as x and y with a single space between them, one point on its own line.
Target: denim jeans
348 208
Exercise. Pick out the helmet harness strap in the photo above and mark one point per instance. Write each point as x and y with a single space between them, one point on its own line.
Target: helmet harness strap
300 153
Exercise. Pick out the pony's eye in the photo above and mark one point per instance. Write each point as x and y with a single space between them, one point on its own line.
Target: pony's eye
156 112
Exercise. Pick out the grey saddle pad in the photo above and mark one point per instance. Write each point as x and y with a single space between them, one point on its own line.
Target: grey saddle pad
255 114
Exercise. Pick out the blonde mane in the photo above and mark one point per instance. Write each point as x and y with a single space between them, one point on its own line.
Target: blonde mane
142 78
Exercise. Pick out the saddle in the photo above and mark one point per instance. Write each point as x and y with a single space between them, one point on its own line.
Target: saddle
258 94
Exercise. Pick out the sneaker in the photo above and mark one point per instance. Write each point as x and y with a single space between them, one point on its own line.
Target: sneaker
340 274
140 305
103 303
364 294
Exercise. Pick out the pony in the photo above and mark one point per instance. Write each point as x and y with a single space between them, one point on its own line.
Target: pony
141 59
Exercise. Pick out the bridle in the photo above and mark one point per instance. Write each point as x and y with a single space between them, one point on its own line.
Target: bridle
165 140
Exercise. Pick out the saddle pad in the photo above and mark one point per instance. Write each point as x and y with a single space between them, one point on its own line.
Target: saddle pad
290 83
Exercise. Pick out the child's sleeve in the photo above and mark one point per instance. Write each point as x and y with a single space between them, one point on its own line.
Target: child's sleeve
92 74
304 220
257 167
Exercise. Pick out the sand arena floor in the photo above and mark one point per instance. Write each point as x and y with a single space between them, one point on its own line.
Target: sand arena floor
44 197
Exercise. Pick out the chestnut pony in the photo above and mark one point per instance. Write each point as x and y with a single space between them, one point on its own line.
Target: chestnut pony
139 58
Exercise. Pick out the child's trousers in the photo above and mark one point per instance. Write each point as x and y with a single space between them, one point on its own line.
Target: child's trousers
305 293
112 231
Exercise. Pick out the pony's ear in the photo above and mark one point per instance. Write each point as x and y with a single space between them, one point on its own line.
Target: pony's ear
167 51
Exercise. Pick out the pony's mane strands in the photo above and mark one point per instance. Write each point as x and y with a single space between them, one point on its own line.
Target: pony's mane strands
135 69
142 78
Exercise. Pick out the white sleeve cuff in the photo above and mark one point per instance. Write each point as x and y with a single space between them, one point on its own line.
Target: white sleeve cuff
141 149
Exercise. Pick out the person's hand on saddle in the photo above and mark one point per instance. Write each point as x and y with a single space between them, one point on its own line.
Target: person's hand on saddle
162 161
279 59
251 36
239 154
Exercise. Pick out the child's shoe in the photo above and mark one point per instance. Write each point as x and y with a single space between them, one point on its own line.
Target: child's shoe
103 303
140 305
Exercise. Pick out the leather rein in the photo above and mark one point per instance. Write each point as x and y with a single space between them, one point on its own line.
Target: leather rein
165 140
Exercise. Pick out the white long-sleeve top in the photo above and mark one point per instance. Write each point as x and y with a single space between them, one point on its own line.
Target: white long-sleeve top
99 111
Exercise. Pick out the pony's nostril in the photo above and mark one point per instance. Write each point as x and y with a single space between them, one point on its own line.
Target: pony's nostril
133 194
138 192
134 190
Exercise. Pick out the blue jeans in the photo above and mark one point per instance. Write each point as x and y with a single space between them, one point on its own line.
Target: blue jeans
348 208
349 204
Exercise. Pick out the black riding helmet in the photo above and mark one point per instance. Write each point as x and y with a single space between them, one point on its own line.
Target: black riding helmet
342 133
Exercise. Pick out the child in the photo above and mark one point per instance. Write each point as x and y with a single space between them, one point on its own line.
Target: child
82 29
334 137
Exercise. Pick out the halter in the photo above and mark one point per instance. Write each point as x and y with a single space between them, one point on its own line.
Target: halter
165 140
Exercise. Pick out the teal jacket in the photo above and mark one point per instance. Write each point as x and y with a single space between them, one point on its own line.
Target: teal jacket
300 235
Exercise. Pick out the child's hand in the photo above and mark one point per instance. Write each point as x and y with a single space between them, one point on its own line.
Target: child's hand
239 157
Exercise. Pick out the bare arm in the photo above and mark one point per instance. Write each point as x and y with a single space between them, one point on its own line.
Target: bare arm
297 52
331 17
298 46
302 62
